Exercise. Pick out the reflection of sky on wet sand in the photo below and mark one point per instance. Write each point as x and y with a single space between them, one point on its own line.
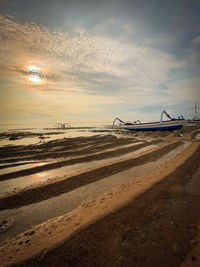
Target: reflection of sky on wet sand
56 206
66 170
71 170
23 181
27 165
27 180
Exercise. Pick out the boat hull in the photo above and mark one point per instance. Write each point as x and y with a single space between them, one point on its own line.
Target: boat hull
165 126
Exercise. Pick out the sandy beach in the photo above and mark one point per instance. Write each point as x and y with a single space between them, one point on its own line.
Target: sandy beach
109 199
99 133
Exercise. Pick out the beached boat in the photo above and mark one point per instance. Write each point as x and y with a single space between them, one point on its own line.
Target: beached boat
169 125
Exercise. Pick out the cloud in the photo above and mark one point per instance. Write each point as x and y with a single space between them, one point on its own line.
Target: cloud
85 62
89 71
193 54
184 90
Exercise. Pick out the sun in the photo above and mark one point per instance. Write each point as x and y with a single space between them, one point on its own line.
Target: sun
34 78
34 74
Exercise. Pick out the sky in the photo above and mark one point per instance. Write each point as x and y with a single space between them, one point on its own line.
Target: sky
91 61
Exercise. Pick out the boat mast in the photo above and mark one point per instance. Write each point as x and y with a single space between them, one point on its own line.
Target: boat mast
195 111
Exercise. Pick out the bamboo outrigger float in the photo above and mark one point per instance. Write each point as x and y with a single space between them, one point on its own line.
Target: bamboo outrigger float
169 125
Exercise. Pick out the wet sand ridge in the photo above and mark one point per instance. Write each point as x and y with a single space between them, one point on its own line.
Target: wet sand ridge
49 190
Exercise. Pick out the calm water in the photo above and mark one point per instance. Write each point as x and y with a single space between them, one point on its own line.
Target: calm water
50 132
42 126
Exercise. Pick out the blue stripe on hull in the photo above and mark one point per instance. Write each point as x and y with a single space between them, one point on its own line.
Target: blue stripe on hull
164 128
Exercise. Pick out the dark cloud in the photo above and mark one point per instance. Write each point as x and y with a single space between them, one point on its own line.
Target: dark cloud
158 14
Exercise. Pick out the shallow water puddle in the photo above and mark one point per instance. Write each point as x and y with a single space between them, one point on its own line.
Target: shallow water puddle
19 167
27 216
24 181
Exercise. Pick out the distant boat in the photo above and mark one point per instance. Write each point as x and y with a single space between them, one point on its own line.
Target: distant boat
169 125
62 125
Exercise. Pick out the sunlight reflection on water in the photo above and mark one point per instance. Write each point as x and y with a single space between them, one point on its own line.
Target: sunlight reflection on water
62 171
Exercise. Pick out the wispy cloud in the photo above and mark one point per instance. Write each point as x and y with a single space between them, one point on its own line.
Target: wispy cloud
94 70
80 61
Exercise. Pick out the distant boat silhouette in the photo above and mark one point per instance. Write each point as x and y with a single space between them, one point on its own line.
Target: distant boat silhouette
63 125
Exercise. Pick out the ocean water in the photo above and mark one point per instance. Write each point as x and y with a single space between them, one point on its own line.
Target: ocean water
39 133
42 126
15 136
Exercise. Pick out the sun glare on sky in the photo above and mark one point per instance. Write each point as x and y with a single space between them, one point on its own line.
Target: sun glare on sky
34 74
95 60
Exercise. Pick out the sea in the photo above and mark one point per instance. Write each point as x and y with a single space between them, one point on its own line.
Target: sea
27 134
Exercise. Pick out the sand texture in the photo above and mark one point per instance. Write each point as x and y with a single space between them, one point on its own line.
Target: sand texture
127 201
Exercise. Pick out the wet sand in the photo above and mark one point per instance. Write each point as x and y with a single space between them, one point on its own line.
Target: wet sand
139 206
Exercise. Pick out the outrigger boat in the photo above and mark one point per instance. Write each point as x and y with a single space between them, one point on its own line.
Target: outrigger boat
169 125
